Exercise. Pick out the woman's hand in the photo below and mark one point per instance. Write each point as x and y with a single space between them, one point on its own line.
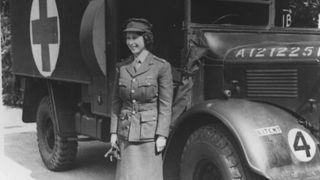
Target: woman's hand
114 151
113 140
161 142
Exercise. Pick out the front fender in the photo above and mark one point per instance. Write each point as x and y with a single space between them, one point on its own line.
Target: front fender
273 143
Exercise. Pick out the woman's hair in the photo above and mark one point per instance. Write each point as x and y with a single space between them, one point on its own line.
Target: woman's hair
147 35
148 40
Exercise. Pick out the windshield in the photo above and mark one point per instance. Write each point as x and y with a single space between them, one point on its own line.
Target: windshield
228 12
287 13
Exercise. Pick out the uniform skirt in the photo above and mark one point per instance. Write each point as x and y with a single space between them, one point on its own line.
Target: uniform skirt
139 161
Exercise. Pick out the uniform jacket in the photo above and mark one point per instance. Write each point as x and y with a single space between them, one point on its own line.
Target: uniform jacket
142 99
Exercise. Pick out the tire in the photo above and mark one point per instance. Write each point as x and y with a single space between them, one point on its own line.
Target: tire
57 152
211 154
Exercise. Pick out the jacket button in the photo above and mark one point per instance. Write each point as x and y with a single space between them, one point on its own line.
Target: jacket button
133 80
133 112
132 91
134 101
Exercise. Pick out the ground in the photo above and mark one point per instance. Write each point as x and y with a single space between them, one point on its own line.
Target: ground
20 158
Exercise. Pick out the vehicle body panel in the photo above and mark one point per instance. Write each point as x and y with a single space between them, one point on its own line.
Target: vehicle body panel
267 154
289 78
70 65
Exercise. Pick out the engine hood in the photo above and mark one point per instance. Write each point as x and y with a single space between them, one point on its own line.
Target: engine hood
262 47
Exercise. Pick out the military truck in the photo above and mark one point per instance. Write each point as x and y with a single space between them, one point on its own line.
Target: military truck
246 82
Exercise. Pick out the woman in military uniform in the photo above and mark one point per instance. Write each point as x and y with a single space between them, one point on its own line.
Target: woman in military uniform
141 106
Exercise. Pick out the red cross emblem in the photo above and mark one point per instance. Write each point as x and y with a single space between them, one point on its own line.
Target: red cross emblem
44 26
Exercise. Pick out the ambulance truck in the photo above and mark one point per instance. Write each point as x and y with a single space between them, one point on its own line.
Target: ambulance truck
246 82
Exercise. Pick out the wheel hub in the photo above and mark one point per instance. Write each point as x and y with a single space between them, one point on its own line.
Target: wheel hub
207 170
49 134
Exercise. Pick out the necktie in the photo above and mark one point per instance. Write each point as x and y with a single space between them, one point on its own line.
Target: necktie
137 65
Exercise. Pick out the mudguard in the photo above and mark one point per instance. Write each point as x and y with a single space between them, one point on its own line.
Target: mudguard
274 144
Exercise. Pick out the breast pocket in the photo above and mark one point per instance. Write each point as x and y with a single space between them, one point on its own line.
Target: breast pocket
148 88
123 89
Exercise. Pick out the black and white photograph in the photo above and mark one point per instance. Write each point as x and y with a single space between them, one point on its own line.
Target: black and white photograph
160 90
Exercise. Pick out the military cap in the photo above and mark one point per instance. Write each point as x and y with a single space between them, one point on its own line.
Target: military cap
138 25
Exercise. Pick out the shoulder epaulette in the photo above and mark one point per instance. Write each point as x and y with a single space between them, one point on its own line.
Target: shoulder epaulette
159 59
123 62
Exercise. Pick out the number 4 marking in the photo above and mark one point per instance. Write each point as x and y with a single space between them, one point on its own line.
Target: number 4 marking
301 145
304 146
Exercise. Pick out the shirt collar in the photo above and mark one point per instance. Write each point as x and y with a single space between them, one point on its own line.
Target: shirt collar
142 56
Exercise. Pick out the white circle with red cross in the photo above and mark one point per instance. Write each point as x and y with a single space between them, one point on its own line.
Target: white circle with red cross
45 35
301 144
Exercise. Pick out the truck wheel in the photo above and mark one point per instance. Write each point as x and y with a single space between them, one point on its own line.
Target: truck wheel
57 152
211 154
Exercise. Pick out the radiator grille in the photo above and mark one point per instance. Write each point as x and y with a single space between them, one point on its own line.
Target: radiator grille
272 83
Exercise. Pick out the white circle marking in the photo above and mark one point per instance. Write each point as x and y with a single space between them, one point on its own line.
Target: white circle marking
49 46
301 144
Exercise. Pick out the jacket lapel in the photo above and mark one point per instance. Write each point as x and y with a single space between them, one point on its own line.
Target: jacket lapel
145 66
130 67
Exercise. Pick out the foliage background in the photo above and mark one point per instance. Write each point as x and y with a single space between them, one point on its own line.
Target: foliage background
304 14
9 93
